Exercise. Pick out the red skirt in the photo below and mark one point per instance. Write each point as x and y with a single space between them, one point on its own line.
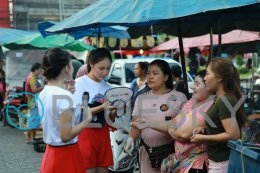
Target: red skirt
95 147
62 159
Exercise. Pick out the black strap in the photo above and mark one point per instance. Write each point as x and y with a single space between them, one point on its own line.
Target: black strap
150 149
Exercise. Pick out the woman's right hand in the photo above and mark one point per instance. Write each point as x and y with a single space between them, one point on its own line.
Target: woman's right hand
88 115
140 123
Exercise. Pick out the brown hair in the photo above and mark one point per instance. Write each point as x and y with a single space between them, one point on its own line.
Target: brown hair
224 68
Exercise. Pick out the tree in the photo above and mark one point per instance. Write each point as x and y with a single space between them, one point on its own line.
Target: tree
239 60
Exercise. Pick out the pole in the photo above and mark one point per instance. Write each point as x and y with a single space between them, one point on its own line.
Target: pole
99 35
211 46
60 10
252 85
219 40
183 59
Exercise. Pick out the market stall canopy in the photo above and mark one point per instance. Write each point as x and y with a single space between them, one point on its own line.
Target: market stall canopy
119 32
240 48
220 21
196 17
37 41
233 37
9 34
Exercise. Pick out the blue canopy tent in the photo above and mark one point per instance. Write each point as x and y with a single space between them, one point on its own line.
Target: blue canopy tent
9 34
111 31
167 16
119 32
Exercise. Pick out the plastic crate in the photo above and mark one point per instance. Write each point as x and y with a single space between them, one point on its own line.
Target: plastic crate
39 145
244 157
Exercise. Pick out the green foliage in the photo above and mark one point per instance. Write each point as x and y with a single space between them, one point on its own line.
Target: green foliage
243 70
239 60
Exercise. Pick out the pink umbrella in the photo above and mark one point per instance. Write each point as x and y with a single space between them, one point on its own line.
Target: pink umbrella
235 36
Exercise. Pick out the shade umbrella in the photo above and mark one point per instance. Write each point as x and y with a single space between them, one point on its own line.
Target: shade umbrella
165 14
9 34
141 13
240 48
119 32
233 37
37 41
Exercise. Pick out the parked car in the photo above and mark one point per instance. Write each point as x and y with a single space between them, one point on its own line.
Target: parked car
122 71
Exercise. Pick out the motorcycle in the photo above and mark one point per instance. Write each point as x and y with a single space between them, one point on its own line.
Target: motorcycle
9 112
123 162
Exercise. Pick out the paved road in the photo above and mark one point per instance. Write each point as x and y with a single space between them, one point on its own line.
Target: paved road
15 155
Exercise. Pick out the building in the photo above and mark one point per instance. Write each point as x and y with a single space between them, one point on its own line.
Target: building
26 14
5 14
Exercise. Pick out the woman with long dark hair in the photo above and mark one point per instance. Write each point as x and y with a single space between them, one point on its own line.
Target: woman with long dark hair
222 78
95 142
161 103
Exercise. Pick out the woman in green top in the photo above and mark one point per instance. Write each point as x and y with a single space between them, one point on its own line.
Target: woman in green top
222 78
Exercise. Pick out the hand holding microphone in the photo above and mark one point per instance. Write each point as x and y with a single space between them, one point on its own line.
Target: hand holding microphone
86 114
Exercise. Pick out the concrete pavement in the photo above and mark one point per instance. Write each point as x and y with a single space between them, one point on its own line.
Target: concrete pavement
15 155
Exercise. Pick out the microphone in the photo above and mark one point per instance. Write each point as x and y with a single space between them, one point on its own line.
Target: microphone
85 99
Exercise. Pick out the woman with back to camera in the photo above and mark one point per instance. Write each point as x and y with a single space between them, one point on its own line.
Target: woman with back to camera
59 120
222 78
95 142
160 103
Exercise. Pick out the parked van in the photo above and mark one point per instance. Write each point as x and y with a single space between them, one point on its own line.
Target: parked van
122 71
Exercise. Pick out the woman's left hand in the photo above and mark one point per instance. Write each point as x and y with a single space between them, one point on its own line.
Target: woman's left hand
197 138
107 106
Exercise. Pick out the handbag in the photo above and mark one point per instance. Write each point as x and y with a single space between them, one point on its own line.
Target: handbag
157 154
